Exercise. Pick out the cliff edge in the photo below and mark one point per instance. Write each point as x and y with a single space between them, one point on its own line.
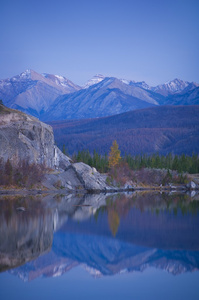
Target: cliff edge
23 137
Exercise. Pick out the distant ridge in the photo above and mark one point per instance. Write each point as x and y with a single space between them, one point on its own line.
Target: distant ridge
161 129
106 96
54 97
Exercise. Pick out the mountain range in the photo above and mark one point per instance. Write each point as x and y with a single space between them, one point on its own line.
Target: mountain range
34 93
104 256
53 97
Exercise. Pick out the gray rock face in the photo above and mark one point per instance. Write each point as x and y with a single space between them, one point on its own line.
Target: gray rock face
89 177
25 137
67 180
79 177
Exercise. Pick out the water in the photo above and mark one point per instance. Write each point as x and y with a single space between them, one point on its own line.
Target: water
138 246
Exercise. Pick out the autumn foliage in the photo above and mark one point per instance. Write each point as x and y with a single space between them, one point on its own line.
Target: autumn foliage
24 174
114 155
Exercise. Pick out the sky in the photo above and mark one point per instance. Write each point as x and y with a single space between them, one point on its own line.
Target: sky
151 40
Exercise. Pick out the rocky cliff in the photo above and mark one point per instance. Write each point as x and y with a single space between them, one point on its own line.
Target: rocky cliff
25 137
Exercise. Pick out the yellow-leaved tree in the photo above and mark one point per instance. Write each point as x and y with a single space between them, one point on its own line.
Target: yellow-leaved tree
114 155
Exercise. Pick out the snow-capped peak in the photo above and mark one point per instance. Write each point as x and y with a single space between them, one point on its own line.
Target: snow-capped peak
26 74
57 79
29 74
126 81
96 79
60 80
141 84
60 77
173 86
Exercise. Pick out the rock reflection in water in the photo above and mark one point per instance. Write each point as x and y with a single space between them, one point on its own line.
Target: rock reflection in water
106 234
25 231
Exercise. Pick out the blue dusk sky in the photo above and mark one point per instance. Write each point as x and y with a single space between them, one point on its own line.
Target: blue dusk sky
151 40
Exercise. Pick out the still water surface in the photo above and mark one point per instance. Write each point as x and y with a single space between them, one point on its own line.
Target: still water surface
138 246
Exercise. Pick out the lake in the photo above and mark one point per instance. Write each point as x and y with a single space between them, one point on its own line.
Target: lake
121 246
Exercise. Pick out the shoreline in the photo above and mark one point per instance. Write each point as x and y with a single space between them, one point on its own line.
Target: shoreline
40 191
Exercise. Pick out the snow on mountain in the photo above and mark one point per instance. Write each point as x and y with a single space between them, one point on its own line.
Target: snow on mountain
63 82
127 81
104 256
141 84
171 87
49 96
96 79
107 97
32 92
26 74
189 96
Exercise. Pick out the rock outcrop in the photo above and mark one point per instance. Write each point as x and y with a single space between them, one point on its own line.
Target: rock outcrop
78 177
89 177
25 137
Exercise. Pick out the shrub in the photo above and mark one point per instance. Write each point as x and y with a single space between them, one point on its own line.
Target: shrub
23 174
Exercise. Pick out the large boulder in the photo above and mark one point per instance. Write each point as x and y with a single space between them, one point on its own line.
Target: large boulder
78 177
89 177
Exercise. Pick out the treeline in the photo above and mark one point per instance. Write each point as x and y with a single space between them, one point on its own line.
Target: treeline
22 174
98 161
180 163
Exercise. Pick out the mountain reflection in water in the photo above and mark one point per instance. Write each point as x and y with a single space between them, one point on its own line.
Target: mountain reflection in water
106 234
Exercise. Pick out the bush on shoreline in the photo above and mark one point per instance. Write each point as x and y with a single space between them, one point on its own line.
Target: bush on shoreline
22 174
122 174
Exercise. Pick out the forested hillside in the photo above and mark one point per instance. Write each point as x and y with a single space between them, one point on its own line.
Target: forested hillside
162 129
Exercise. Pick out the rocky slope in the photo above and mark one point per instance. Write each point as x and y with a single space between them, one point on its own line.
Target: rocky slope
108 97
187 97
32 92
